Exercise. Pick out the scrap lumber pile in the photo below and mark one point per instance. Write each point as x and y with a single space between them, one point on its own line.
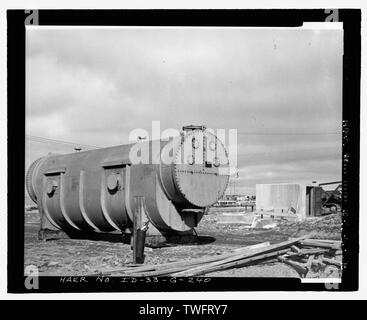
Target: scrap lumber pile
301 253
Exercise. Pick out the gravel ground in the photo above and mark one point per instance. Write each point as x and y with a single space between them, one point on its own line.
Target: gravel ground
67 257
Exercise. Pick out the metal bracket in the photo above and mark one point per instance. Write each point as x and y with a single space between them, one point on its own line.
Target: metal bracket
193 127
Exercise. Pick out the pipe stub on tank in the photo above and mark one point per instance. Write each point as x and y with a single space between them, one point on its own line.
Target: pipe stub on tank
112 182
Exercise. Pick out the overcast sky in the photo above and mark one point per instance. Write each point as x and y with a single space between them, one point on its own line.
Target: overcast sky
279 88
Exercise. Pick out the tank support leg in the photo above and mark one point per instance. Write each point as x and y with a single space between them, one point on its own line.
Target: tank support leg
139 231
48 231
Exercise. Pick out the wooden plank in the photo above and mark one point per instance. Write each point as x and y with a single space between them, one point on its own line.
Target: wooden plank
112 271
320 244
299 267
326 240
333 262
318 263
255 252
171 269
197 261
234 264
255 246
161 272
309 261
304 252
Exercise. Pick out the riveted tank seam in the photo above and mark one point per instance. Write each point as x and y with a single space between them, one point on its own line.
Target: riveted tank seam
175 169
177 184
176 177
29 178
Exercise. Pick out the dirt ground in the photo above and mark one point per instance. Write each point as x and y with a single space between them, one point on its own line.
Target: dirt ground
70 257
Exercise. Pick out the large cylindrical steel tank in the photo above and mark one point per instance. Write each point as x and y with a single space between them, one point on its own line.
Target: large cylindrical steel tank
95 190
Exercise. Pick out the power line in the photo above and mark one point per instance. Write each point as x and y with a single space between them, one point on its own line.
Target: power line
288 133
48 140
61 142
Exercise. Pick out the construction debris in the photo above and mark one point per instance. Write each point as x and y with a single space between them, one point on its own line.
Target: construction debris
302 254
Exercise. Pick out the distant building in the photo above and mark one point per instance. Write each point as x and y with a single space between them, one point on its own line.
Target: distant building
298 199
